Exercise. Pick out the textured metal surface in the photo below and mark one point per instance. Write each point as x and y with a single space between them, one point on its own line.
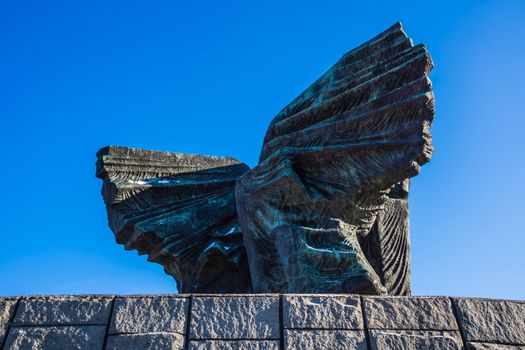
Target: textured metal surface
328 164
180 210
325 210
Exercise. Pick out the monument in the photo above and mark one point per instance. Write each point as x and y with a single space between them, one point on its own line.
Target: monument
324 211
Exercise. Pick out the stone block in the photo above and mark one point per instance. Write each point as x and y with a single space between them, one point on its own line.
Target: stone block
234 345
492 346
492 321
425 313
149 314
7 307
158 341
235 317
56 338
63 310
322 311
324 339
415 339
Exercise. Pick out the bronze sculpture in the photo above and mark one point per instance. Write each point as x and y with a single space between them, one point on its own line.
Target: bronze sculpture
325 210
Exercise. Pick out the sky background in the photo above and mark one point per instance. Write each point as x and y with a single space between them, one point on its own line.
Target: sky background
208 77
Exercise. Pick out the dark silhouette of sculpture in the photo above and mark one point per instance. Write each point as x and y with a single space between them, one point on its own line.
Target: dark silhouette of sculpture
325 210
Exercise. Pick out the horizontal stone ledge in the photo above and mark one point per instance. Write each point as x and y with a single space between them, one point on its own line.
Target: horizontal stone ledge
491 320
325 339
492 346
234 317
426 313
162 340
415 339
63 310
233 345
261 321
322 312
138 314
53 337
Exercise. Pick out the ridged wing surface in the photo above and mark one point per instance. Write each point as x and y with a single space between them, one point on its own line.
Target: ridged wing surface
368 118
334 153
180 210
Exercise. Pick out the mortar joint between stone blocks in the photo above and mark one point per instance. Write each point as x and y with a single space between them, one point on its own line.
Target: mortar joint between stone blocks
10 322
188 324
108 323
365 323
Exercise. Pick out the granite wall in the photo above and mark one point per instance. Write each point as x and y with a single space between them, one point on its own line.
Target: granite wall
260 322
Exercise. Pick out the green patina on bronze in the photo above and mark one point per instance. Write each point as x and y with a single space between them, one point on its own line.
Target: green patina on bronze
324 211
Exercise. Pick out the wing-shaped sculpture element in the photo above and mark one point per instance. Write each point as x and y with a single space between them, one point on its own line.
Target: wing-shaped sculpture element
328 163
180 210
325 210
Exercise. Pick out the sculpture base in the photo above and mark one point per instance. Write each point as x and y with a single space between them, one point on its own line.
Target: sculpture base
262 321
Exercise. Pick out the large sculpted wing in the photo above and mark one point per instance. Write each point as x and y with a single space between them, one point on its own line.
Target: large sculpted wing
180 210
328 163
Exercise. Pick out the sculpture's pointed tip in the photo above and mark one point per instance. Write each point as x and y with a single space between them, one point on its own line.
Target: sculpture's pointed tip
398 26
103 150
106 150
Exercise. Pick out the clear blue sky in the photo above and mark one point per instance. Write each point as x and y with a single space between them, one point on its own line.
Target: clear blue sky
207 78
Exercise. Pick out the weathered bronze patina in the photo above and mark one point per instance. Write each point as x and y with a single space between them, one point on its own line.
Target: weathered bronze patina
324 211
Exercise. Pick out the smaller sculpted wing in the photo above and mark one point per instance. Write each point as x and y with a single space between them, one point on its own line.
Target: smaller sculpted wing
180 210
328 162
